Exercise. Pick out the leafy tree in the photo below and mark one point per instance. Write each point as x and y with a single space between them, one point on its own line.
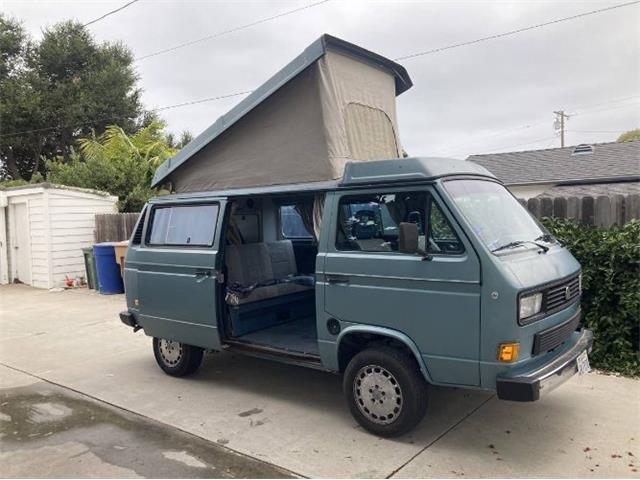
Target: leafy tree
630 135
185 137
18 101
60 89
116 162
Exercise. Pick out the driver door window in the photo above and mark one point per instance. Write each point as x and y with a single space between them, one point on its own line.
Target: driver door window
369 223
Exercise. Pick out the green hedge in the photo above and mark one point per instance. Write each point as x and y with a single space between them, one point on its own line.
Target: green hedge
610 259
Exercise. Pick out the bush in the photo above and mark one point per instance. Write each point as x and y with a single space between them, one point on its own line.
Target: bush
610 259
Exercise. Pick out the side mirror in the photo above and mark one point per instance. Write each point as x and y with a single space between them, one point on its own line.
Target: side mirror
407 237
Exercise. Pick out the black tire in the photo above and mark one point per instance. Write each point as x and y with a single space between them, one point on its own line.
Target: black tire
175 358
389 375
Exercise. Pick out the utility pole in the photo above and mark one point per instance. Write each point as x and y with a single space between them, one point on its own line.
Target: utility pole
559 124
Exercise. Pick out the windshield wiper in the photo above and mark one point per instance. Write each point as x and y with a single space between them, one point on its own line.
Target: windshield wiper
517 243
547 237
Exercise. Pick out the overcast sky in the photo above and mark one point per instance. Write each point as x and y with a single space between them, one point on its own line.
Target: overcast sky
498 95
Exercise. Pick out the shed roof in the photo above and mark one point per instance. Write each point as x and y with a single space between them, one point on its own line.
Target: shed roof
608 161
53 186
310 55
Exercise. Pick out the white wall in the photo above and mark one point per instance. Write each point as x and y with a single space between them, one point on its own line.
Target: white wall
72 224
529 191
61 223
39 241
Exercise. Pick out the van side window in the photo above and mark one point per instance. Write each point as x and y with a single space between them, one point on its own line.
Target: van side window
369 223
185 225
291 223
442 238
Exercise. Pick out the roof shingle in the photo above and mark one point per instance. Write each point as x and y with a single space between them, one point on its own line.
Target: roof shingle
611 160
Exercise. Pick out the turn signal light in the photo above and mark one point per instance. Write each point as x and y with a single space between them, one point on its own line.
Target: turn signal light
508 352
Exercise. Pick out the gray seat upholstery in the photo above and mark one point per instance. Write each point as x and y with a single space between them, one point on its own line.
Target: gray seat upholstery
262 262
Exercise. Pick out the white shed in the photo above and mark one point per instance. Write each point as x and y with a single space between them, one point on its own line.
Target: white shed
43 228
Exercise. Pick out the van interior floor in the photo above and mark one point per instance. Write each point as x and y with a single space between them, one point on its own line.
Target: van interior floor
299 336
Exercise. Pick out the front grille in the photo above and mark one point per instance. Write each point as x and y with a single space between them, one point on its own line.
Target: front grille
552 337
561 295
555 297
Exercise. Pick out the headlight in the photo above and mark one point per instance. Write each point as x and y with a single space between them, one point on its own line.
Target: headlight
530 305
580 283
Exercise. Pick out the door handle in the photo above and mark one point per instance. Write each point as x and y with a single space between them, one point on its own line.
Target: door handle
337 279
202 275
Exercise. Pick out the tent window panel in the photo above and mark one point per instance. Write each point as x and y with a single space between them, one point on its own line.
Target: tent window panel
370 133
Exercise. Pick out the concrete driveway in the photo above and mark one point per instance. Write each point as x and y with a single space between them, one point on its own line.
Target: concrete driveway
288 419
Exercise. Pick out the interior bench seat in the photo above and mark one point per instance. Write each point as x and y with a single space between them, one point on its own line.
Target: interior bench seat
268 305
262 262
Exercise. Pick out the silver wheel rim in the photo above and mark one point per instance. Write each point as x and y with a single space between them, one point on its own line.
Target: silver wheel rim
377 394
171 352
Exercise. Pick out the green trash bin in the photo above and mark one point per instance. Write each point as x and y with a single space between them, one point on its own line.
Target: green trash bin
90 268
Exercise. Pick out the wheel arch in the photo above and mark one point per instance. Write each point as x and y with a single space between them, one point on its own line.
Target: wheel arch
355 338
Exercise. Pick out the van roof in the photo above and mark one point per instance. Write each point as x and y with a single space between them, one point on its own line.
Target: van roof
310 55
360 174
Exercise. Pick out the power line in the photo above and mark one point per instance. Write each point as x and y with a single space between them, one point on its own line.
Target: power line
110 13
513 32
598 110
232 30
203 100
594 131
524 143
297 10
112 118
447 150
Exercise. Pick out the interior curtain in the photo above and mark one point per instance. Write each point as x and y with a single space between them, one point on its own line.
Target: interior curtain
310 212
305 210
318 208
234 237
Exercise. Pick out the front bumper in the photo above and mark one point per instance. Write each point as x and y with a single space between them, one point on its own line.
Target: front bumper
528 387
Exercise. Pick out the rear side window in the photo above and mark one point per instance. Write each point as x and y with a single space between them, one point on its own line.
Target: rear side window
292 224
186 225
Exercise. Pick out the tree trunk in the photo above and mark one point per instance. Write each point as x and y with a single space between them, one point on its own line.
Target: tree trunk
12 166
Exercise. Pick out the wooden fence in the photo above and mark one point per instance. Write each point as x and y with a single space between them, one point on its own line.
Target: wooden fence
114 227
603 210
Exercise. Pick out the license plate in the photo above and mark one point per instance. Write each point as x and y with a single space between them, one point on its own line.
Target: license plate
583 363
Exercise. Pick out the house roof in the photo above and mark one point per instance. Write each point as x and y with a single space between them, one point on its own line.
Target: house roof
611 161
310 55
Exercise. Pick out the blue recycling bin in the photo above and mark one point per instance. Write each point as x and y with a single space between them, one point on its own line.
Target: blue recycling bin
109 278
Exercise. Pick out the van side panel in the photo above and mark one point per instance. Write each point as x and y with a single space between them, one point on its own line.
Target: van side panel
435 303
176 289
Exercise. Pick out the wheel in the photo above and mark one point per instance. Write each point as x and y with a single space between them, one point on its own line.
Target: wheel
385 391
175 358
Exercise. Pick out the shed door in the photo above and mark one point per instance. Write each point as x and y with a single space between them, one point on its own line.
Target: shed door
21 258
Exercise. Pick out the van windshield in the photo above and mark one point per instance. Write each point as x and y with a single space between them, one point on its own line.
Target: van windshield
495 215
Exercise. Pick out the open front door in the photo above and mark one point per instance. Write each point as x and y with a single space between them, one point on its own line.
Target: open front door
177 267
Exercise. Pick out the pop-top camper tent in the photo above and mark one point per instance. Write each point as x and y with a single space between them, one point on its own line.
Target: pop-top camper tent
332 104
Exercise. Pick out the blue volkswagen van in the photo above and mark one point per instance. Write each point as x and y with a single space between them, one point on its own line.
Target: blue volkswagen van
403 274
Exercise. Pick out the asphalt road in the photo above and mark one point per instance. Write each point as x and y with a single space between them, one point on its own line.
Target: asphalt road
82 396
